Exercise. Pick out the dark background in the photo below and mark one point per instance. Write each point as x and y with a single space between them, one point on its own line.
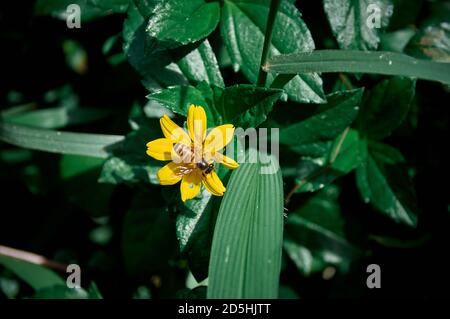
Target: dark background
39 215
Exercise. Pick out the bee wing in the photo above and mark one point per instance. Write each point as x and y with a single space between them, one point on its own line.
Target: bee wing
185 169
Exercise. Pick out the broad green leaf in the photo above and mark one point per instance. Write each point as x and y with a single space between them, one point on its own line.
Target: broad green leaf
85 144
178 98
195 226
129 162
246 250
387 63
242 105
57 117
201 65
387 187
148 239
243 25
58 9
190 215
161 67
179 22
357 24
329 121
61 292
38 277
432 43
314 174
385 106
144 54
245 105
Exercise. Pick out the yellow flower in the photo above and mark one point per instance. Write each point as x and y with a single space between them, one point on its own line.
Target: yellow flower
192 153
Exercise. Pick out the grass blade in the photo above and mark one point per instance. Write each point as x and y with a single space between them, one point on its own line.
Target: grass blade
246 251
387 63
57 142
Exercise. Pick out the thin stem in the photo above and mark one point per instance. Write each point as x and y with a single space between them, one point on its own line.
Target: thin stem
333 156
337 149
31 258
262 75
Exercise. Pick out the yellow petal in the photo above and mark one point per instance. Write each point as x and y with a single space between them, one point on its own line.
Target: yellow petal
190 185
213 184
197 124
173 132
160 149
218 138
226 161
169 174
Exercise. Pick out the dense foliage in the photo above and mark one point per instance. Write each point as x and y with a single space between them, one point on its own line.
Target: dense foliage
358 90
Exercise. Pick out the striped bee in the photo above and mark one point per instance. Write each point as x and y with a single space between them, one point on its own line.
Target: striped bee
187 156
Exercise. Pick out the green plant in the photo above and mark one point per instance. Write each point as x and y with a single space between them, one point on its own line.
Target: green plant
344 113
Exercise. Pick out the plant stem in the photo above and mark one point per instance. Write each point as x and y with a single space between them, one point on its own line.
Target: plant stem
337 149
31 258
262 75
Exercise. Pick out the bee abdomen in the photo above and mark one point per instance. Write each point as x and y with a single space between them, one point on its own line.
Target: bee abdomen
184 152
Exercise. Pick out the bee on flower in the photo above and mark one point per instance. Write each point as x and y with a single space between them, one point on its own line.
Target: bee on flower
193 154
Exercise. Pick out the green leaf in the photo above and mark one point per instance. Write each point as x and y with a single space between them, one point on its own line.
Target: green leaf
385 106
432 43
56 117
327 123
201 65
148 239
357 24
58 142
179 22
146 56
38 277
243 24
387 187
178 98
245 105
242 105
195 226
129 162
387 63
314 174
161 67
246 250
